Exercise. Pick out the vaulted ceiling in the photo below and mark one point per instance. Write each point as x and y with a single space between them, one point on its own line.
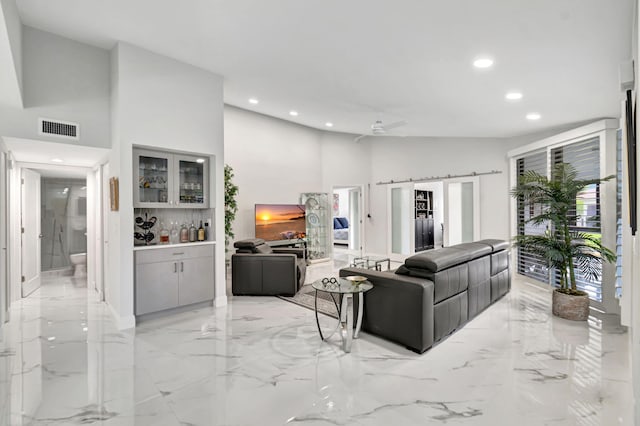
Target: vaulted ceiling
353 62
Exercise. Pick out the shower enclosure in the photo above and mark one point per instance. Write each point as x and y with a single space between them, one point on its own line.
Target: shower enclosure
64 221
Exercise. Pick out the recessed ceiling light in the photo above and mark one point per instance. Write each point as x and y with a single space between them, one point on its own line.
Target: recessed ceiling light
483 62
513 96
533 116
200 160
328 124
293 113
57 160
254 101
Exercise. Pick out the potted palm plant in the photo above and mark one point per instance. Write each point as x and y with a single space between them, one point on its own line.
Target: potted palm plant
564 248
230 205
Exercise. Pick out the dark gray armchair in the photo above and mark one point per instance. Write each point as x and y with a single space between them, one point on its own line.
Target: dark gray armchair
259 270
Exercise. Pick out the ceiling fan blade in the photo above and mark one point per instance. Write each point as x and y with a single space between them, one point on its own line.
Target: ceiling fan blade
394 125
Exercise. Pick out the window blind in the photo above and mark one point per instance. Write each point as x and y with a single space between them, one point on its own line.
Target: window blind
529 264
584 156
619 177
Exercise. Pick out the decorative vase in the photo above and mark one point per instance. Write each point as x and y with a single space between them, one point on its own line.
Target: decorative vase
574 308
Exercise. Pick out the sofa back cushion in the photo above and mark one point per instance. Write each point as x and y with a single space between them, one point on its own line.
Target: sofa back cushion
437 260
474 250
496 245
248 243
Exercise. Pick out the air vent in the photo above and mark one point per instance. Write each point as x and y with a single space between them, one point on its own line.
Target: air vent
61 129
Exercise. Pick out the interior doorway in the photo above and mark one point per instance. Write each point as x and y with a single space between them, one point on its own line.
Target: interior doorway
348 220
64 225
427 215
66 246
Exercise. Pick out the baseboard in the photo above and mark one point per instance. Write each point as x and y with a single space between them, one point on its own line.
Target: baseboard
122 323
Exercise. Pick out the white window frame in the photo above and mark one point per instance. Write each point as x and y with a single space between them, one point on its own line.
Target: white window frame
606 131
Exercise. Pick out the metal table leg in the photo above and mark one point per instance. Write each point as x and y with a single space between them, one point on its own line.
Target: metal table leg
346 321
360 312
318 321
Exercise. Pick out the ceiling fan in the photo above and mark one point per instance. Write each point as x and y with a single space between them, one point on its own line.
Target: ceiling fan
380 129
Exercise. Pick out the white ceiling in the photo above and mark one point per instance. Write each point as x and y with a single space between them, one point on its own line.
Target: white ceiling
352 62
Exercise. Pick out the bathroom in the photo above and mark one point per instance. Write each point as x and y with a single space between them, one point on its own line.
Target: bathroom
64 227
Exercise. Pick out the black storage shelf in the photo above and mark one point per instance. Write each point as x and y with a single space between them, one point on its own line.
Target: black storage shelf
424 232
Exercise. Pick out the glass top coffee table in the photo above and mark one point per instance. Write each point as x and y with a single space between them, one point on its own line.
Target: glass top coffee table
371 262
345 288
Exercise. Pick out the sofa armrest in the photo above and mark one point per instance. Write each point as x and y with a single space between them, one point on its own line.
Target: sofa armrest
398 307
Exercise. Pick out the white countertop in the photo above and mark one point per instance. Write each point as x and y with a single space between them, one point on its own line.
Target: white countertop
162 246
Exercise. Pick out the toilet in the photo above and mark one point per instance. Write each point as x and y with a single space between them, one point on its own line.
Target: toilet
79 263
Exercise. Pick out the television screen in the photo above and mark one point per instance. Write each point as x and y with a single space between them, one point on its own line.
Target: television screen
275 222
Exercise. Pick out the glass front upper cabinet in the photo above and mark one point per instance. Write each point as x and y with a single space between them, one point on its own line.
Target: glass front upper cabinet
166 180
192 185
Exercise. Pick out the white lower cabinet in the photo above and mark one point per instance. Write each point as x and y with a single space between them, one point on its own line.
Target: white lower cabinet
166 278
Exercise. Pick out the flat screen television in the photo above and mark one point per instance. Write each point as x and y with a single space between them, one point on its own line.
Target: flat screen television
277 222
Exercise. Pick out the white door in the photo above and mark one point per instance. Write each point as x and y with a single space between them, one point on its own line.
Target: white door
105 231
30 231
97 184
461 211
400 218
355 220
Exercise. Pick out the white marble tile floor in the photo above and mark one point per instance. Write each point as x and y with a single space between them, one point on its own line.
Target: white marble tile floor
259 361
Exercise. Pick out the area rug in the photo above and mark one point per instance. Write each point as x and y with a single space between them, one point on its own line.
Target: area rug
306 296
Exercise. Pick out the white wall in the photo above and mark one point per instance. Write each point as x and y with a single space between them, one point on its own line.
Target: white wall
62 79
402 158
4 229
161 103
10 55
273 160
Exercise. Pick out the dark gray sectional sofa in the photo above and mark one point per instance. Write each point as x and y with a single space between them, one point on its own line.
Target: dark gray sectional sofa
435 292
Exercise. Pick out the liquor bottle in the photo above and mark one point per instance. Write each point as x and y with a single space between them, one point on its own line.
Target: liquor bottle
164 234
174 234
201 232
184 233
207 230
193 233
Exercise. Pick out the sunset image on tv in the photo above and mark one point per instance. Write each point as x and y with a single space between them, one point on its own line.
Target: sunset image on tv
280 221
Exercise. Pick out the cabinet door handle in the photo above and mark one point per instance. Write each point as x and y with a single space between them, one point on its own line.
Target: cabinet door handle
175 267
177 254
181 266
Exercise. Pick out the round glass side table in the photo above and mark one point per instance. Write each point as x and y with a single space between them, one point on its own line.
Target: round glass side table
345 289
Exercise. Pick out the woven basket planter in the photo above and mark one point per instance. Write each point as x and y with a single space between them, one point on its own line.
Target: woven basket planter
574 308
